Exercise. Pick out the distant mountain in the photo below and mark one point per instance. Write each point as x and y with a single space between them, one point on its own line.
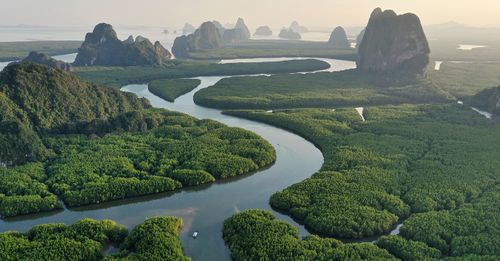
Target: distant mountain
44 59
205 38
289 34
296 27
338 38
239 33
102 47
263 31
188 29
37 99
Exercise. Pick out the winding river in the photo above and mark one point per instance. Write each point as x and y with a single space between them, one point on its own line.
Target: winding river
205 208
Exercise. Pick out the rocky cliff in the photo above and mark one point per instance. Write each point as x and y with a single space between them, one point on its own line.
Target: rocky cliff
393 43
205 38
102 47
338 38
44 59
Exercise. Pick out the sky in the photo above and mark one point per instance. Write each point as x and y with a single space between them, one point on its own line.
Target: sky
275 13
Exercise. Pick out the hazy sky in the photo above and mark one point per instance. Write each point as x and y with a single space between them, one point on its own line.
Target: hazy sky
276 13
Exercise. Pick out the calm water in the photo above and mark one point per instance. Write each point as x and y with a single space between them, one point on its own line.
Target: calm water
205 208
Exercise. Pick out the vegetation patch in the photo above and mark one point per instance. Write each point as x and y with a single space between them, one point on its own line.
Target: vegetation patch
337 89
275 48
22 191
433 164
466 79
170 90
119 76
257 235
155 239
169 151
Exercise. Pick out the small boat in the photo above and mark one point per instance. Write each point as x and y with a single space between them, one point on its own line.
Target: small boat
195 234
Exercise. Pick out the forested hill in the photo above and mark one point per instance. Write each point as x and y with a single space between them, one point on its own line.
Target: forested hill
35 99
51 98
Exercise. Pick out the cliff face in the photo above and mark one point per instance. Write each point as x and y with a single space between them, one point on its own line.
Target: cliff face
393 43
102 47
338 38
44 59
205 38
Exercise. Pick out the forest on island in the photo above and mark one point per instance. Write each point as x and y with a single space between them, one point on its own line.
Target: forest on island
155 239
349 88
432 167
82 144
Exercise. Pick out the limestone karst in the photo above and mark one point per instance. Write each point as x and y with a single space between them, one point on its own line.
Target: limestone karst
393 43
205 38
296 27
338 38
263 31
44 59
102 47
289 34
239 33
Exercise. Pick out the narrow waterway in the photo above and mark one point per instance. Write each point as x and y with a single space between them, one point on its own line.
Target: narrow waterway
205 208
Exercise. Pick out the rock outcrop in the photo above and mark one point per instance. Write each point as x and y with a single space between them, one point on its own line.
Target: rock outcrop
263 31
296 27
44 59
240 25
102 47
205 38
188 29
289 34
488 100
239 33
393 43
338 38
